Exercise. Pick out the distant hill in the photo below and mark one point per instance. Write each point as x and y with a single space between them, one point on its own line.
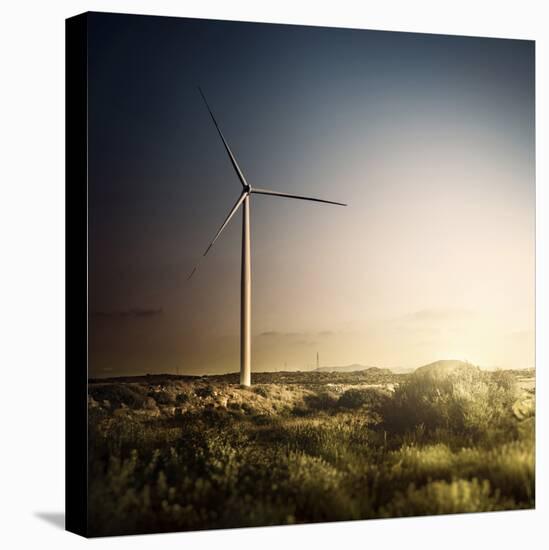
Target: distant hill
354 368
444 368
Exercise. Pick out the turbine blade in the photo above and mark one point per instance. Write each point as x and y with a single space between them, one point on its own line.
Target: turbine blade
193 272
227 148
223 225
227 219
289 196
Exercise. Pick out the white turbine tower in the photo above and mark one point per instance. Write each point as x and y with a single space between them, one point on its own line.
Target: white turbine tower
246 276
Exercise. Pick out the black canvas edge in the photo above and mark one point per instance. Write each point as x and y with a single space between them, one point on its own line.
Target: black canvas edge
76 275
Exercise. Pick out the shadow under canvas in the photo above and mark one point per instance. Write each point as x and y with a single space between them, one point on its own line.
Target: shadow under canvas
57 519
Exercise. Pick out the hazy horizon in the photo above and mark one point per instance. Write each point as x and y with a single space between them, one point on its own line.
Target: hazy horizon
429 139
307 368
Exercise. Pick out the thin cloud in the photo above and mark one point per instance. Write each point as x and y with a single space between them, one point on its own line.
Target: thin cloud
276 333
439 314
300 335
270 334
134 313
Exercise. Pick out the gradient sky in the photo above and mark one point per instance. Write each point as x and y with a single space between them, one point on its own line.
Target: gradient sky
430 139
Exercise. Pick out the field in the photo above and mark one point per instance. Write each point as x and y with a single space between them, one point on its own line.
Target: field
182 453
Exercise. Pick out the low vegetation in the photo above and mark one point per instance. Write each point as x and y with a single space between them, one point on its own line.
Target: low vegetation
174 453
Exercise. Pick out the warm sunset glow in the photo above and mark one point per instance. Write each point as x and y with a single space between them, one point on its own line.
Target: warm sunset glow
430 140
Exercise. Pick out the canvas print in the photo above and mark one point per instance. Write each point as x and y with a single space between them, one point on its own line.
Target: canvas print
310 274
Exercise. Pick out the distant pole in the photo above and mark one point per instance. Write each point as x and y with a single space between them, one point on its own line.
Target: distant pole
317 360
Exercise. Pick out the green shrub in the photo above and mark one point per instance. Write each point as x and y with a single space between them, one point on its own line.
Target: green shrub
130 395
322 401
356 398
442 497
204 391
466 402
181 398
162 397
261 390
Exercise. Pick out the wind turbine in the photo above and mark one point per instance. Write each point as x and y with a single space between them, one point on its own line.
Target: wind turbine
246 274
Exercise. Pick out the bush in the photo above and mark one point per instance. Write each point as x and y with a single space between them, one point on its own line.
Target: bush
322 401
162 397
132 396
509 467
442 497
355 398
466 402
261 390
316 488
181 398
204 391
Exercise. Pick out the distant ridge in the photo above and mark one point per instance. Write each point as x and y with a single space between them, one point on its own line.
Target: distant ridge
355 367
401 370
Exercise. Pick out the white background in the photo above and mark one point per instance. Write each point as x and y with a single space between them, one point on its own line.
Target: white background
32 271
